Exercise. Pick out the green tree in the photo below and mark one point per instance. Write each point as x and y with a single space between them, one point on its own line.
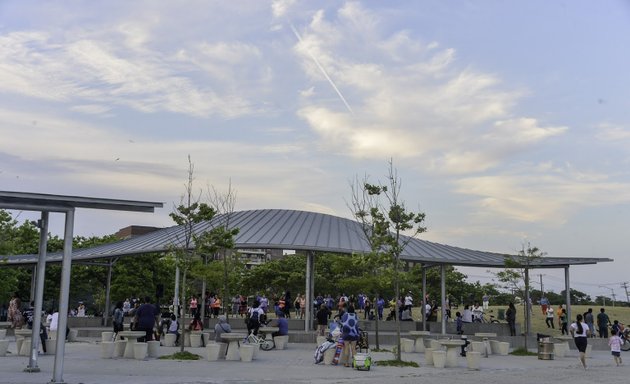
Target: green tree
385 220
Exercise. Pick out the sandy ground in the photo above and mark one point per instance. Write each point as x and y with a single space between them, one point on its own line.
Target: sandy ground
83 364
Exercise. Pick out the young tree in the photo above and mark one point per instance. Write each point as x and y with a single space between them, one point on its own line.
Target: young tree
515 276
193 243
385 219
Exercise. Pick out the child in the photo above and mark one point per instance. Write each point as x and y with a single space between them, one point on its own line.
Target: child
460 323
615 346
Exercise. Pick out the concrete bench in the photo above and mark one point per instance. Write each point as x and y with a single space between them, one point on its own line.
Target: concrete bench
281 341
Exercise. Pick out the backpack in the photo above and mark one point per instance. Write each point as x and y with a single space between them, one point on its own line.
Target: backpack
254 318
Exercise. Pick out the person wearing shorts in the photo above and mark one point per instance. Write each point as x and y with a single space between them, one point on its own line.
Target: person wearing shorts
580 332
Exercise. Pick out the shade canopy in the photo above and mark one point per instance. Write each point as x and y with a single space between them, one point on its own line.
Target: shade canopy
301 231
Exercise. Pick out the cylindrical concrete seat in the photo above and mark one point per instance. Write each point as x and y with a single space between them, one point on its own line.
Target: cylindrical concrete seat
473 359
18 344
25 350
329 355
206 338
477 346
222 350
435 345
186 339
3 334
4 346
169 339
107 336
212 351
139 351
256 350
107 349
247 352
428 356
72 336
281 341
119 348
407 345
195 339
52 334
439 359
51 346
153 348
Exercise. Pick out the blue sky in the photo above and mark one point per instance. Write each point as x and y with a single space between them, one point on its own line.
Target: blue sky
507 121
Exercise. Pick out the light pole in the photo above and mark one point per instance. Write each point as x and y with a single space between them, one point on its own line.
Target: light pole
612 293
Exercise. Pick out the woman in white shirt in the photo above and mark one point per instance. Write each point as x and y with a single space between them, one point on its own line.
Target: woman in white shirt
580 332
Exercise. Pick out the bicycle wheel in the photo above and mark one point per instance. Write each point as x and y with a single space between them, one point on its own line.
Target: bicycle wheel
267 345
626 345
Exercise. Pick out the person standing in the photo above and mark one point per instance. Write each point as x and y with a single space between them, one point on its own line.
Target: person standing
549 319
580 332
590 321
350 335
510 316
147 316
408 302
15 311
193 305
602 323
485 300
118 318
322 319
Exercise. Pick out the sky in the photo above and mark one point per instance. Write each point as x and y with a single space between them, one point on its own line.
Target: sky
507 122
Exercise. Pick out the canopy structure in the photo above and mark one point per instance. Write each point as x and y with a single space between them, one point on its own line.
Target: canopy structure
310 232
301 231
45 204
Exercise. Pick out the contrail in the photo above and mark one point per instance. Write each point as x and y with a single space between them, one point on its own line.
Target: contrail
323 71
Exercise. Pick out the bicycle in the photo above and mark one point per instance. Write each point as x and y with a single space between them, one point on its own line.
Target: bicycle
625 339
261 339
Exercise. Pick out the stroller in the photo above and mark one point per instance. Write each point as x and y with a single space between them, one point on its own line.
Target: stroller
362 359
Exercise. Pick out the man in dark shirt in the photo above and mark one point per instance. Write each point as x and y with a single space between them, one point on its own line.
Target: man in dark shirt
602 323
147 315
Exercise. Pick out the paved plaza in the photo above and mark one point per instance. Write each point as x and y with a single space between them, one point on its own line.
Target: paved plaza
83 364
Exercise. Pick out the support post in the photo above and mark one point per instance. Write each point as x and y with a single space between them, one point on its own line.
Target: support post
443 296
39 293
424 297
108 289
64 293
308 311
567 292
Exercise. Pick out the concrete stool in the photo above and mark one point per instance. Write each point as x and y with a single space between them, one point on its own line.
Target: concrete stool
4 346
222 350
140 351
169 339
107 349
320 340
428 356
478 346
503 348
256 350
473 359
26 347
435 345
119 348
72 336
407 345
439 359
329 355
212 351
153 348
51 346
195 339
281 341
19 340
107 336
206 338
247 352
3 334
186 339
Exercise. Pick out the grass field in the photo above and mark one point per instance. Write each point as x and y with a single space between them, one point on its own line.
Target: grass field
538 319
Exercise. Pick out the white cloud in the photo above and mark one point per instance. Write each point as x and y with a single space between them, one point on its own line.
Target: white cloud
612 132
